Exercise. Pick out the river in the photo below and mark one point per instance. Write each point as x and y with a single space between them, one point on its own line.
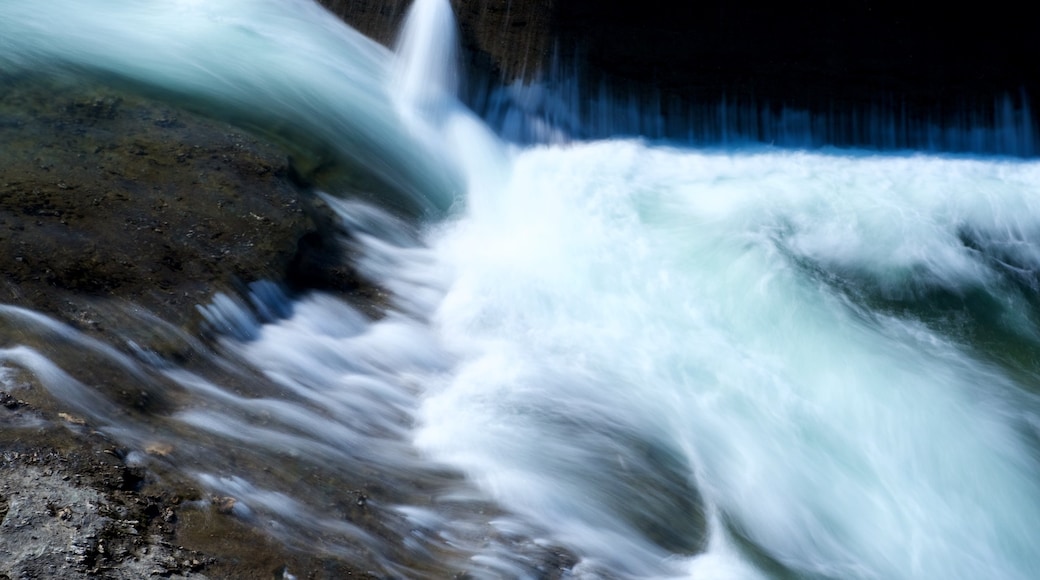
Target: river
722 361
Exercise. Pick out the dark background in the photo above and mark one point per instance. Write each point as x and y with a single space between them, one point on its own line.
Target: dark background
796 52
912 61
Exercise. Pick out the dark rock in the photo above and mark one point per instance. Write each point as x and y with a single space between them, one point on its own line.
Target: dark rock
118 215
110 197
65 512
508 38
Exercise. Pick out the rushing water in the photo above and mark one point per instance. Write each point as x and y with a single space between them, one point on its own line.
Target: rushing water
670 362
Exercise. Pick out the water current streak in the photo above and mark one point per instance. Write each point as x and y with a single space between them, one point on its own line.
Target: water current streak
620 358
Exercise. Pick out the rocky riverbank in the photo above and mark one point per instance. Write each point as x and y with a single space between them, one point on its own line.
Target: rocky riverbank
118 215
71 507
105 196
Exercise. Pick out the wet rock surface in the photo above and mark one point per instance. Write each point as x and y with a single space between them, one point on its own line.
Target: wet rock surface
59 522
106 196
118 216
72 507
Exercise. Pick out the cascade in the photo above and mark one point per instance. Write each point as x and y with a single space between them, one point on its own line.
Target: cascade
427 54
617 358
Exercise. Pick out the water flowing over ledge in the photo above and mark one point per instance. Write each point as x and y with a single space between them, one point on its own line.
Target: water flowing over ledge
608 359
288 70
564 104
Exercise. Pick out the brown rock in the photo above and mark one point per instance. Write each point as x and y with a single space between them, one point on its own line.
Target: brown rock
107 197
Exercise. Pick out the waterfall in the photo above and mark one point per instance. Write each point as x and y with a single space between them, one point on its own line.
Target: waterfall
612 358
427 54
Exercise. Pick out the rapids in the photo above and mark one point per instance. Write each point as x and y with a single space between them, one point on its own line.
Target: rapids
667 361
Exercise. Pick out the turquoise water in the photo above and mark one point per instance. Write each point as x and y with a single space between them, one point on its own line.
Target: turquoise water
670 361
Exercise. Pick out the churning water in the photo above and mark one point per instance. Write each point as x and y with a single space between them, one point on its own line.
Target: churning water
671 362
